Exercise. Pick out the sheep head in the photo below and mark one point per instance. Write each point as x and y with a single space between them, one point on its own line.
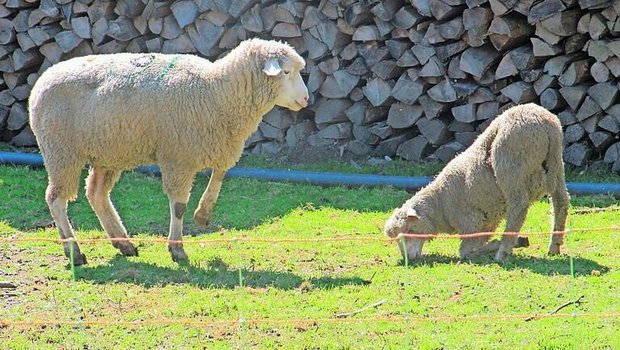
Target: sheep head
292 92
275 73
406 219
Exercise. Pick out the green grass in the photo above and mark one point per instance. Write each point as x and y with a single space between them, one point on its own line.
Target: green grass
297 281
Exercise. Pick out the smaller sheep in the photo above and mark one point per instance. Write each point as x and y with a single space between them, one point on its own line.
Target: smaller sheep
515 161
118 111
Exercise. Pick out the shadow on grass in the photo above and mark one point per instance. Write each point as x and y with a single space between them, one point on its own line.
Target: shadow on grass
214 274
551 266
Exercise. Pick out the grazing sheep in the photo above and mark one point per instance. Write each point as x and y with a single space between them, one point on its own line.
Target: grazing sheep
181 112
515 161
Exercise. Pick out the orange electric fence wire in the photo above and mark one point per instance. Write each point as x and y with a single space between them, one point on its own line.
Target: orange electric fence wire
301 240
192 322
257 321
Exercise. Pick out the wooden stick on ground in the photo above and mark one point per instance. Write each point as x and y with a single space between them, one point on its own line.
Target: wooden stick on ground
576 301
555 311
347 314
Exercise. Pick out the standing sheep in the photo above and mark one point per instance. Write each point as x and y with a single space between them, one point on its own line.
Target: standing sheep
515 161
182 112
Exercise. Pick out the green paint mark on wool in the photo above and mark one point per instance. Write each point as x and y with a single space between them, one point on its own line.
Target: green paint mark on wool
168 68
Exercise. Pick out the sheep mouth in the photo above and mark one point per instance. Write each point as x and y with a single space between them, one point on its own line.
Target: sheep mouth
301 104
295 107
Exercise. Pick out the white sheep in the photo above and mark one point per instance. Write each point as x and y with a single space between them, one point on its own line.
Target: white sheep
182 112
515 161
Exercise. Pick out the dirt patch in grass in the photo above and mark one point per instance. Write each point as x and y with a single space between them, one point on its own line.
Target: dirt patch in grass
17 266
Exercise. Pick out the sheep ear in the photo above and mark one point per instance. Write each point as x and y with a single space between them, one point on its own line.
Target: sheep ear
272 67
412 214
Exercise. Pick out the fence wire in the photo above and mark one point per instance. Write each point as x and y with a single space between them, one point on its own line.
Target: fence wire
305 240
304 321
241 321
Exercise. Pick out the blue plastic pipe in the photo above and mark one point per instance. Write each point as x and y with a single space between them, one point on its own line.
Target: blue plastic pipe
13 158
404 182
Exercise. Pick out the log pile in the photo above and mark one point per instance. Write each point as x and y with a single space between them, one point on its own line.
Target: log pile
415 79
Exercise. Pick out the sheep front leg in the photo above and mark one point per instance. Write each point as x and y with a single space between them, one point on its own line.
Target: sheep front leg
516 213
475 246
202 215
175 246
177 187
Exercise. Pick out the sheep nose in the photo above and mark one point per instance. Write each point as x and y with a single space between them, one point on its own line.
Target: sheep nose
304 101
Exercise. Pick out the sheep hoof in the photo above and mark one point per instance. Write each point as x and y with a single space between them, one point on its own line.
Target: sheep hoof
502 256
126 248
201 219
522 242
554 249
178 253
79 259
467 255
413 258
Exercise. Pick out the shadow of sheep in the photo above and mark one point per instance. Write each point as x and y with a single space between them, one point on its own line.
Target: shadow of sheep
548 266
216 274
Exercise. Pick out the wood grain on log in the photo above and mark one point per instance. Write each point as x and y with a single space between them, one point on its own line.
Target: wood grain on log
552 100
476 61
508 32
577 72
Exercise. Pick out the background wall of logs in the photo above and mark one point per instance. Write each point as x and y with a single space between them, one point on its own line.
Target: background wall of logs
413 79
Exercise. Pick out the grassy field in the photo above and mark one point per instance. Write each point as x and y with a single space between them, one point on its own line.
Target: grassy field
292 292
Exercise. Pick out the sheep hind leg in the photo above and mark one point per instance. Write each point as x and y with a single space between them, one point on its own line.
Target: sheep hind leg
177 187
98 186
517 207
202 215
57 198
559 201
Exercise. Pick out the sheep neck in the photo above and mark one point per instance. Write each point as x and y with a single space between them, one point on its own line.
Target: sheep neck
256 91
227 107
247 93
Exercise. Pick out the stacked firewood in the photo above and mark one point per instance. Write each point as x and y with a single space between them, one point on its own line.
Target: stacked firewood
415 79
